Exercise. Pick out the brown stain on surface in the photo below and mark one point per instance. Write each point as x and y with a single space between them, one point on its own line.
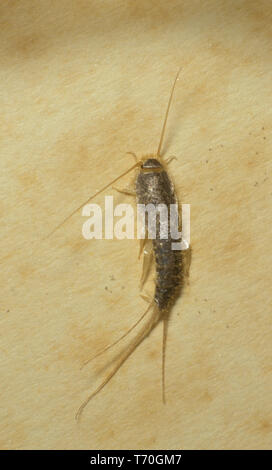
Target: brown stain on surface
26 270
27 179
73 158
27 45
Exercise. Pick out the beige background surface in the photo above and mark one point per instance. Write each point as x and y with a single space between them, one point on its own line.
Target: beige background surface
82 82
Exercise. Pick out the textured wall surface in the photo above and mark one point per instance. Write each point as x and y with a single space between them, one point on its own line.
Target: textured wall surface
83 82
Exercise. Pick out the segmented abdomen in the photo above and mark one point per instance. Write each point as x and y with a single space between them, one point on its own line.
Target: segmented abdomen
156 188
